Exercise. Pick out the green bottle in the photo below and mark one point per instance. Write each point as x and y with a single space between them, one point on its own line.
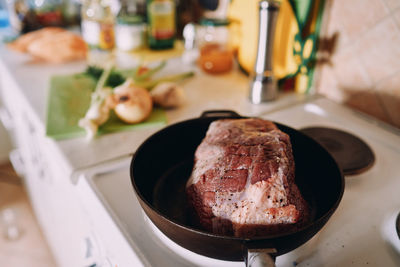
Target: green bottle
161 23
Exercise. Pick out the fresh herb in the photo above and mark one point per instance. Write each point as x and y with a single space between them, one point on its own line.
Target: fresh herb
170 78
114 79
117 78
140 75
141 78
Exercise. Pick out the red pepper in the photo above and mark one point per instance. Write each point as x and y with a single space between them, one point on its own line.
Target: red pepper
142 70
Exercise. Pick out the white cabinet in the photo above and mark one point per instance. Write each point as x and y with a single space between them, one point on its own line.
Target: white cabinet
52 195
5 144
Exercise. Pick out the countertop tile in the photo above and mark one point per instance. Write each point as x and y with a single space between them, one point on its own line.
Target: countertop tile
328 85
358 16
379 50
396 16
333 24
368 102
389 93
349 70
392 4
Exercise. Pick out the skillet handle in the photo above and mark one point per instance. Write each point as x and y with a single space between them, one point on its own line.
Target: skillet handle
220 113
260 257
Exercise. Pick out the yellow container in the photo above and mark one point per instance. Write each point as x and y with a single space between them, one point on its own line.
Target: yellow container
289 54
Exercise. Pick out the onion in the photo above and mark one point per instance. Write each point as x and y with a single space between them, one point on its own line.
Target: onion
133 104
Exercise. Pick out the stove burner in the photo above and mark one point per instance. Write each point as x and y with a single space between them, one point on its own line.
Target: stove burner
352 154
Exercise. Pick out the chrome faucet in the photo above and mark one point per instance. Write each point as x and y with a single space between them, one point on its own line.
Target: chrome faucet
263 86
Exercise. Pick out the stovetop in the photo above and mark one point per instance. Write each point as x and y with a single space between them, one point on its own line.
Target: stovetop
358 234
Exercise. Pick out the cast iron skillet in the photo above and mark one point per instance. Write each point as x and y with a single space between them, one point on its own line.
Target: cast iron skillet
162 164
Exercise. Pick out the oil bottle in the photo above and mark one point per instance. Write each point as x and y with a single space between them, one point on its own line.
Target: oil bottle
97 27
161 23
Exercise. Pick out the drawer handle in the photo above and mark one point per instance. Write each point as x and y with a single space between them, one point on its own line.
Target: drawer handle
6 119
17 162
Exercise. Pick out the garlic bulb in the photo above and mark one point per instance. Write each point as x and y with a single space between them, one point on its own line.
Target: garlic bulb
168 95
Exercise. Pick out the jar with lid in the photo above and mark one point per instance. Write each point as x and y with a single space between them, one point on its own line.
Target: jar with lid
130 27
30 15
213 41
161 19
48 12
72 12
97 27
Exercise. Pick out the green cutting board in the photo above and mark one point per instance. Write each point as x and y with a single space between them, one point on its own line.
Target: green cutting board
69 99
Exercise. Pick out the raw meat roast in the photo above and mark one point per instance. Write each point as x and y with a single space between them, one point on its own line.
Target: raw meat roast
242 183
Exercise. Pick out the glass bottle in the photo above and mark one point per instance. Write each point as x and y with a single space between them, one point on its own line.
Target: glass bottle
48 12
161 23
130 27
97 27
213 40
71 12
30 15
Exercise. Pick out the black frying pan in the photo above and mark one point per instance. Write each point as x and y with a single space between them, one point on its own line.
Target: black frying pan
163 163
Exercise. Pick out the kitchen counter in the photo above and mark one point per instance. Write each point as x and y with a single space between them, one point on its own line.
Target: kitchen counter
104 223
29 81
48 166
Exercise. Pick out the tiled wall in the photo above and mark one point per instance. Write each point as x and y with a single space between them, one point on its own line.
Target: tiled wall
360 56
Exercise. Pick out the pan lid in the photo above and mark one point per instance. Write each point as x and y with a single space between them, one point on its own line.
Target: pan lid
353 155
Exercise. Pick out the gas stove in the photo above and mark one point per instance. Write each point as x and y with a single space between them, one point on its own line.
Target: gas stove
361 232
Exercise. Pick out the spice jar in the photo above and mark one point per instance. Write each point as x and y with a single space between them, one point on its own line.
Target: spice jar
161 23
130 27
213 40
130 33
